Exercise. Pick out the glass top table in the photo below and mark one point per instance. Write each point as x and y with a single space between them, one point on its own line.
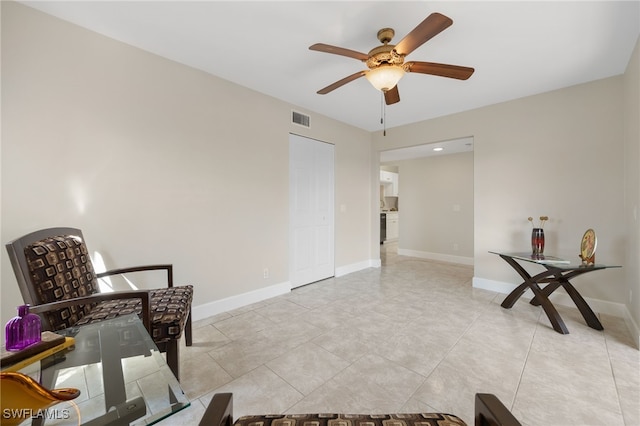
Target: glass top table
557 274
122 377
553 261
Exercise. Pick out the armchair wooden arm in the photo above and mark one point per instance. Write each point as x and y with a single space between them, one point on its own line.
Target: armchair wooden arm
490 411
100 297
219 412
121 271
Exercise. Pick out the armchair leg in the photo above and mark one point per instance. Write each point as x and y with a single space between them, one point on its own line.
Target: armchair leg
173 359
187 331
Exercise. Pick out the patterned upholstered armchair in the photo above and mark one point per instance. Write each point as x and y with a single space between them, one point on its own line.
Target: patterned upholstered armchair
56 277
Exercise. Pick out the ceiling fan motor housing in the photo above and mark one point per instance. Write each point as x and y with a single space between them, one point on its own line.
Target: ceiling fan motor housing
384 55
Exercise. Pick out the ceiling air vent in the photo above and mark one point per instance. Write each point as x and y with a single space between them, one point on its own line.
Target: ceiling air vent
300 118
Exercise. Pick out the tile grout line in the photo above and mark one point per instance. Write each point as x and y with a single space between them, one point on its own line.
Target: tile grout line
613 374
524 364
444 357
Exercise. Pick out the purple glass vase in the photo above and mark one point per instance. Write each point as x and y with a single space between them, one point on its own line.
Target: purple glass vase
23 330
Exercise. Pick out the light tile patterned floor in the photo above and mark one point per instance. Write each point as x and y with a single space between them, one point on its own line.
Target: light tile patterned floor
411 336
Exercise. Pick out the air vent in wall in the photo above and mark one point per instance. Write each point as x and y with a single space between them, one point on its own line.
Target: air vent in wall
300 118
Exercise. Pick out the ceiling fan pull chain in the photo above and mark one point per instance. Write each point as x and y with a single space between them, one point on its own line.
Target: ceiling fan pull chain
384 113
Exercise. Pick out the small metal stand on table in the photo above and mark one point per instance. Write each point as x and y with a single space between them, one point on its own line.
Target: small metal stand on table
557 274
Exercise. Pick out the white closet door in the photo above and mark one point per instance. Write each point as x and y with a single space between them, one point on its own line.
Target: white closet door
311 210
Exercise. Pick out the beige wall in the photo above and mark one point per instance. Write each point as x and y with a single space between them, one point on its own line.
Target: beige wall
558 154
632 182
437 207
157 162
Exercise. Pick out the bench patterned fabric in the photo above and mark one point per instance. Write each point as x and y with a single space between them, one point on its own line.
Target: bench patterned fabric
61 268
423 419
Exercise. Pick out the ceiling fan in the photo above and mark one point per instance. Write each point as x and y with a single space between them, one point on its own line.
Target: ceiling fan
386 62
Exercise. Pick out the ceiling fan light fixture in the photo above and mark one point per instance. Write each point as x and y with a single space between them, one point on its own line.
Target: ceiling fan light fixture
385 77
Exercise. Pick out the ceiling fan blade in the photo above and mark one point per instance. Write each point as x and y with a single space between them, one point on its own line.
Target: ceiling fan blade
340 83
321 47
430 27
392 96
442 70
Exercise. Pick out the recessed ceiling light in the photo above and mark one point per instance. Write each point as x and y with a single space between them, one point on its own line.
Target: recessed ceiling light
438 149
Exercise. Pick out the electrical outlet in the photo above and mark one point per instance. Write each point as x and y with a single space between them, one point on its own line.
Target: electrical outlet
265 273
455 246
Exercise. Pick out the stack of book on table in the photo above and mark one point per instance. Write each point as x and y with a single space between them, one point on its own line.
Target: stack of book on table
49 344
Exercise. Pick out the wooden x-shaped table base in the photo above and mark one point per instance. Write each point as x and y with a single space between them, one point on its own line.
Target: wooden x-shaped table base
555 276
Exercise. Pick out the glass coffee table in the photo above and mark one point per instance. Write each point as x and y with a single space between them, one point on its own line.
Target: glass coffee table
122 377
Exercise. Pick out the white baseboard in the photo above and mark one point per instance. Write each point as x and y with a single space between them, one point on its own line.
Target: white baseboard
436 256
355 267
234 302
601 306
633 327
238 301
492 285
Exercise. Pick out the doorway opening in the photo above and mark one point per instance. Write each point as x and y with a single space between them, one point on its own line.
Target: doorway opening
432 203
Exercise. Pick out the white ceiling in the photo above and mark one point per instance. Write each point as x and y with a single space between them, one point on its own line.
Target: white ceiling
517 48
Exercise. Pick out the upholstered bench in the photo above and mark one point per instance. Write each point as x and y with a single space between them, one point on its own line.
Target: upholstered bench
489 411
